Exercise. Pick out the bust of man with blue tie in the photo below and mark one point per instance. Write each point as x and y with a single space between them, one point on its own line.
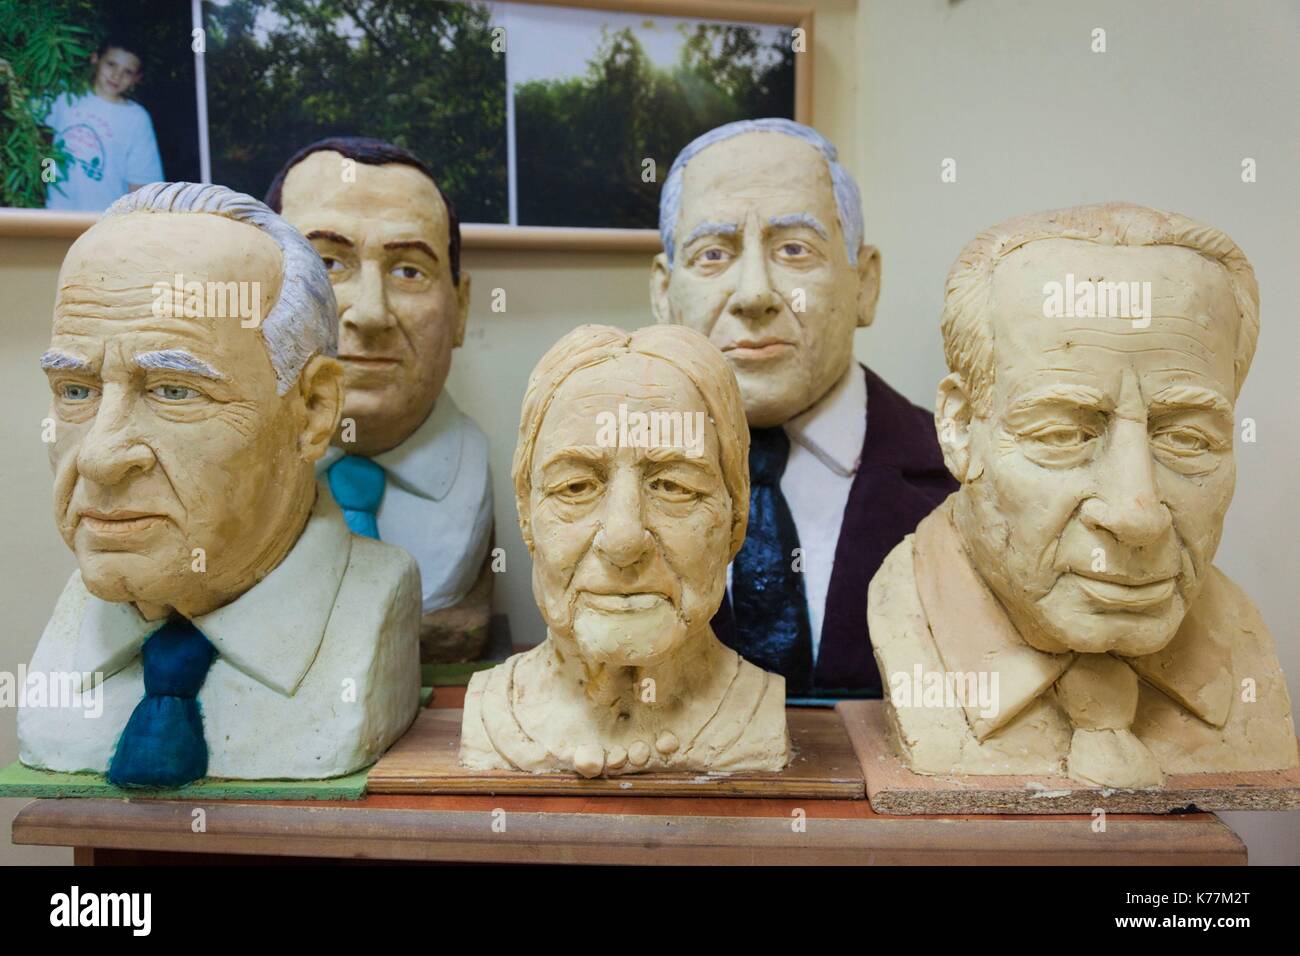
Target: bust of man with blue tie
234 625
407 466
763 253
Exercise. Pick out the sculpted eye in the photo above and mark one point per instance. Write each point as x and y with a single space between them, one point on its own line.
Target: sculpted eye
794 250
332 264
713 255
1182 441
174 393
406 272
671 490
76 392
576 490
1061 436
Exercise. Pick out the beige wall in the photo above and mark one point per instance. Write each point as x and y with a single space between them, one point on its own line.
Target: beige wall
1004 88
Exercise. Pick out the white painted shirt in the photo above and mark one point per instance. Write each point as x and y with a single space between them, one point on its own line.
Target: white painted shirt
317 670
437 503
111 145
825 451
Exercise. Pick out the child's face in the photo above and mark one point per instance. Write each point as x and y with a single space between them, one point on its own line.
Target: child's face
116 72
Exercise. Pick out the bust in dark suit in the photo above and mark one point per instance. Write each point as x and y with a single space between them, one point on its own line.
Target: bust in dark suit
763 253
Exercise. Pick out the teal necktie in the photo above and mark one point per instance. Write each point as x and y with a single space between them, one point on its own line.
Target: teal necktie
162 744
357 484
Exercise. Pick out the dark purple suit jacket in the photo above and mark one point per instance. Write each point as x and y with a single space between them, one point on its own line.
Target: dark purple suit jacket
900 480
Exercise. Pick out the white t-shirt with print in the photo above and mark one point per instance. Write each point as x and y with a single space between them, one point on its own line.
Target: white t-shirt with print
112 147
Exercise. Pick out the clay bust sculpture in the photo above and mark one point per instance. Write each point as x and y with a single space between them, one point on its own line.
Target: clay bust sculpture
239 629
1096 356
630 528
763 253
406 465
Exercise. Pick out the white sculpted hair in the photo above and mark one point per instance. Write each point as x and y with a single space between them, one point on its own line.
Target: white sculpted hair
304 320
683 348
966 322
848 200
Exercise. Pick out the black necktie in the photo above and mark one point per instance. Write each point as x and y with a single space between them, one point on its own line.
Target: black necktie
767 594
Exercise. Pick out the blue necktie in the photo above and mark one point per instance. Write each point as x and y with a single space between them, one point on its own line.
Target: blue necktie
358 486
163 745
767 594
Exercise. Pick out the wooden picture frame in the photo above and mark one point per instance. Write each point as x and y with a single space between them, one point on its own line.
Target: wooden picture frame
40 223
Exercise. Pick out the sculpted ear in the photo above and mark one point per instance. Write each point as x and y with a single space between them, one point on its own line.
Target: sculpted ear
660 276
462 309
321 387
868 284
953 412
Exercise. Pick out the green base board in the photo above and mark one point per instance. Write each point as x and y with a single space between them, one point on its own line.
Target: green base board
17 780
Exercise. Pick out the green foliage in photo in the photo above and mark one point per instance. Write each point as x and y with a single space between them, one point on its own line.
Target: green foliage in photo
418 73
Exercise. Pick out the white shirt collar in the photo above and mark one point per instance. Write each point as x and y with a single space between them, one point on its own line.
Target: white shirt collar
426 463
271 632
835 428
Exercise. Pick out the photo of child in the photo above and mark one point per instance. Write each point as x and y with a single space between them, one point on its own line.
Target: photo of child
97 98
108 137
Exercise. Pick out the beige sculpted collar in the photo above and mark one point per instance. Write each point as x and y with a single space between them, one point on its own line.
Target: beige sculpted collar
973 634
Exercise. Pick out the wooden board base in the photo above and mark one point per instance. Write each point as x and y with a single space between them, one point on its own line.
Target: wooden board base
894 789
424 761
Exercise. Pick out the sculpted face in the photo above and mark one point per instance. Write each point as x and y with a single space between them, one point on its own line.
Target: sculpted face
630 544
383 237
761 269
169 434
1098 485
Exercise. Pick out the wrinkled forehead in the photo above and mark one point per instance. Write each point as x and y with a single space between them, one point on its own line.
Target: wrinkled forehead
118 262
328 191
1112 290
774 171
580 412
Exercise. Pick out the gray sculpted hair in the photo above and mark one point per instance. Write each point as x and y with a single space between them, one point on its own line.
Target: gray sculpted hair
848 199
967 323
304 320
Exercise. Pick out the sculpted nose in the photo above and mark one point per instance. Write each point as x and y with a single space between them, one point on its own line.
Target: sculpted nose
754 298
368 310
1129 506
623 538
112 450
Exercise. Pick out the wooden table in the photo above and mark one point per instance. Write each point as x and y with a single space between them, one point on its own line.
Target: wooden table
600 829
619 830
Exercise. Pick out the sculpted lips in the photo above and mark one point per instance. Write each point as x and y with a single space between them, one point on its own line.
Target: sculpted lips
757 349
119 522
369 361
1126 596
621 603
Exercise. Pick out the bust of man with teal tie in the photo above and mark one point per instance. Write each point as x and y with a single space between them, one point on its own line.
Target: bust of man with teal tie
239 629
406 465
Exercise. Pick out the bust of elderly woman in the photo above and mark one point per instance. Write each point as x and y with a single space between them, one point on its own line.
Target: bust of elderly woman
633 494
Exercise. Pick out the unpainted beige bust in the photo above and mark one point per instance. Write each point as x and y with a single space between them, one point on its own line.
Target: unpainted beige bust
1059 613
632 488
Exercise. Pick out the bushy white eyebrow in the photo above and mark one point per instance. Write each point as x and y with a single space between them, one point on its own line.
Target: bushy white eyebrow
800 219
56 361
712 229
176 360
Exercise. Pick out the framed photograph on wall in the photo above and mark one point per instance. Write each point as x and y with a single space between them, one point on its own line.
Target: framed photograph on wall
550 123
96 96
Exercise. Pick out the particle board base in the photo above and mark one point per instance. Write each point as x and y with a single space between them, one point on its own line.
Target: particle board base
425 762
894 789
